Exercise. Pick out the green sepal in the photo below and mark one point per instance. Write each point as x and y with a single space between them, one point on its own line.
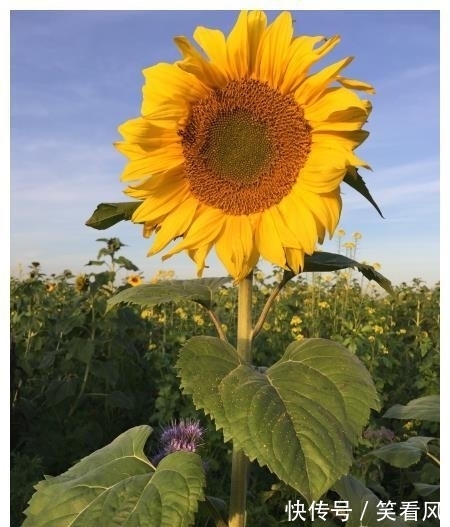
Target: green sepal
108 214
354 180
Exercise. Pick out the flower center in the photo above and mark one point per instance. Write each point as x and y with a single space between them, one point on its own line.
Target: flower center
244 146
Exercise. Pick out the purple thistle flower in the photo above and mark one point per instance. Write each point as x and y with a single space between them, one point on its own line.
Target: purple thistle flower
184 435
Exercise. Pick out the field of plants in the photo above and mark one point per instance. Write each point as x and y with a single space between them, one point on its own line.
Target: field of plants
81 374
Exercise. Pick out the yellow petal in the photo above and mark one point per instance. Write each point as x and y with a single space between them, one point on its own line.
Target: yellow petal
213 43
268 241
243 43
295 259
175 224
162 181
204 229
235 247
334 100
237 48
169 92
301 56
326 207
314 85
156 207
199 256
301 220
145 133
273 50
353 84
283 227
324 169
348 139
145 163
211 74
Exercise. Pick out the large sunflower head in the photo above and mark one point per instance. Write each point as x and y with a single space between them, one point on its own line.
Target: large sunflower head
240 148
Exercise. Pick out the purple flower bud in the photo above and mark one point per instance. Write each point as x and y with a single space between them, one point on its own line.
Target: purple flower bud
184 435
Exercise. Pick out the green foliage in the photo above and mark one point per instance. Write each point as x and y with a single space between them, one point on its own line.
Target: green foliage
108 214
364 505
301 417
425 408
118 485
82 374
200 291
405 453
325 262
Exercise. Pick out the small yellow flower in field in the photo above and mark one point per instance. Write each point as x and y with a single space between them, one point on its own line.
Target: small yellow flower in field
401 331
376 266
357 235
296 320
162 275
134 280
349 245
370 310
51 286
409 425
323 305
299 337
340 233
371 338
377 329
162 318
147 313
242 148
181 313
198 319
328 278
266 326
81 283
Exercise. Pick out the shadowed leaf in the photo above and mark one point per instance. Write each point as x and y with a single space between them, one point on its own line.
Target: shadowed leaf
405 453
321 261
364 505
354 180
424 409
117 485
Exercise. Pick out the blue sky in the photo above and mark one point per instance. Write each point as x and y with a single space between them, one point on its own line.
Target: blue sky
76 75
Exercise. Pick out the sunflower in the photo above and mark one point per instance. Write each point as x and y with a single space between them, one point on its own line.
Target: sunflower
241 148
134 280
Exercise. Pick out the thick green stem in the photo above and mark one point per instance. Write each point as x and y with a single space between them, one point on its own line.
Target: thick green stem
240 463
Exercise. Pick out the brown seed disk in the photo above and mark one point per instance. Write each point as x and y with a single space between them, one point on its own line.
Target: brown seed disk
244 146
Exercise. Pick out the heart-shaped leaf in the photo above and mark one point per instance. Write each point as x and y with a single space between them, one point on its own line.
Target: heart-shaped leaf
301 417
118 486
